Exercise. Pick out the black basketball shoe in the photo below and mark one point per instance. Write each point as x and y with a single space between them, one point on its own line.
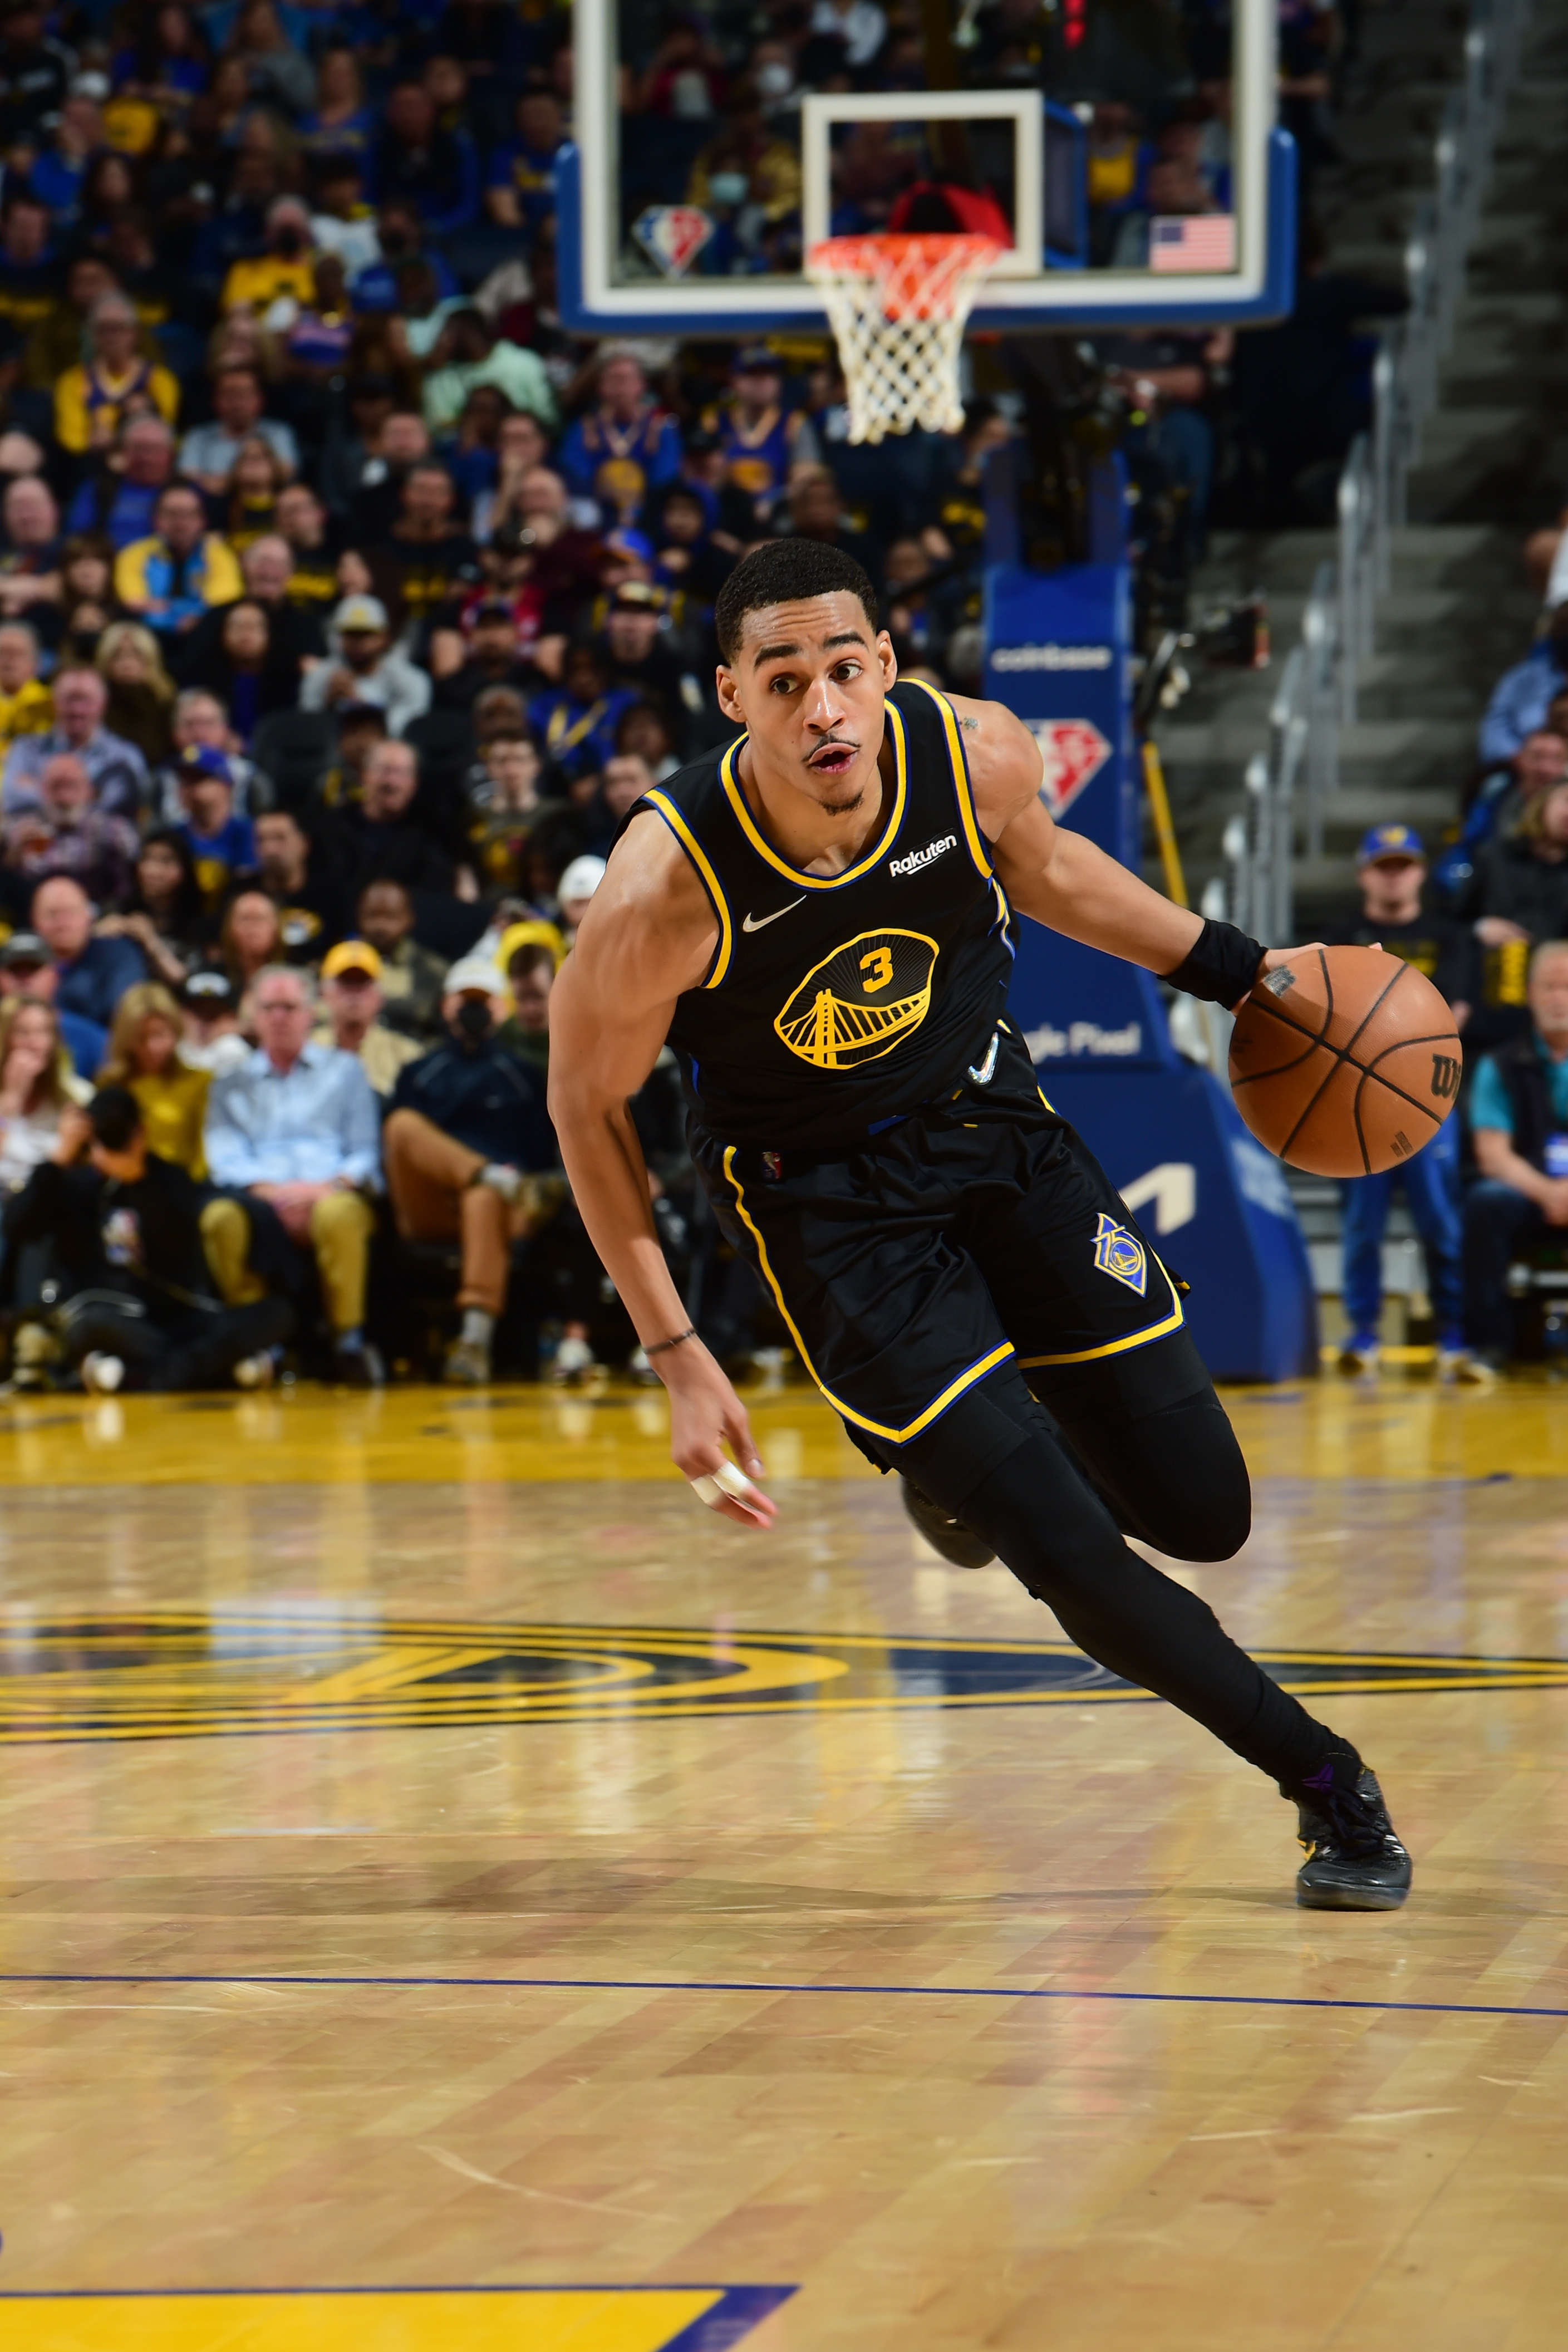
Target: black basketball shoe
1354 1862
955 1542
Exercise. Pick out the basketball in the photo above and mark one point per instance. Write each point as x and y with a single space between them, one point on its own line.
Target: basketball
1345 1061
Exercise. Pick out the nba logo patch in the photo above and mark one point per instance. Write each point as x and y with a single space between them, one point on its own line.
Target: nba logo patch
1120 1254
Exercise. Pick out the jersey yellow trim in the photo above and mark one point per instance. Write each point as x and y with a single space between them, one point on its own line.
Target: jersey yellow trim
694 850
964 792
955 1389
743 816
1173 1322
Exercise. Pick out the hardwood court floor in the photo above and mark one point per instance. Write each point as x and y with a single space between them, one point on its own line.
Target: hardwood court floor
456 1894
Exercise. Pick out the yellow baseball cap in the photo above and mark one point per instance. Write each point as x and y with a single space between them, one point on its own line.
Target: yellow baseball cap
351 955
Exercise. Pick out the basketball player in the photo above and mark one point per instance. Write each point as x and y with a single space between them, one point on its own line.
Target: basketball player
819 922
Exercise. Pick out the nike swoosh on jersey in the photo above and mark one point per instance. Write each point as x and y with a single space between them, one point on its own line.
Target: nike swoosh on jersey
760 923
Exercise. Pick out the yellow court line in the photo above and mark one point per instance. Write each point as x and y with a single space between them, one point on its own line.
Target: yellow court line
556 2319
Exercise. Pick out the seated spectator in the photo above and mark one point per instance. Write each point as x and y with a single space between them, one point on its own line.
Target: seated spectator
91 974
387 836
113 384
208 453
366 668
282 270
1517 897
26 704
222 845
143 1056
642 660
466 1125
127 1231
1519 1119
467 357
486 652
37 1086
251 674
519 191
626 447
436 171
817 512
531 956
26 969
169 580
400 237
164 913
120 499
1393 869
30 555
642 733
141 706
296 1126
201 723
249 939
576 888
762 440
276 71
338 128
425 558
371 471
576 721
302 525
320 340
249 506
117 769
360 728
64 831
310 913
689 558
1520 700
1501 800
29 287
410 977
212 1039
351 993
504 792
295 637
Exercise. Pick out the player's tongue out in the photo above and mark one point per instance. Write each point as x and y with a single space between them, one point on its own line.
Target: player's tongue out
833 759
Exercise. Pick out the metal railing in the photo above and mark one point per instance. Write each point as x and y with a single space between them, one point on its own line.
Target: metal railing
1289 784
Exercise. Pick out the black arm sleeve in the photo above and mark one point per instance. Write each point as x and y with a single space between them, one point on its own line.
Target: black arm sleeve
1220 967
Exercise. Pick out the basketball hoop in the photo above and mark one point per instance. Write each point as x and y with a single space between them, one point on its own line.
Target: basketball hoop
898 306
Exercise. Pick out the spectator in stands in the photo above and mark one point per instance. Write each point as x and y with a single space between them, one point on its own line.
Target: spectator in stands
26 969
143 1056
296 1126
245 668
302 525
520 190
141 705
576 721
91 974
202 720
427 558
38 1087
113 384
126 1231
249 939
435 170
282 271
388 837
530 955
626 446
351 993
1520 700
222 845
642 660
466 1126
300 882
1393 869
817 512
64 831
365 667
117 769
762 440
30 557
208 453
26 704
169 580
1501 799
165 912
120 498
1519 1119
212 1039
577 887
339 128
1517 897
410 977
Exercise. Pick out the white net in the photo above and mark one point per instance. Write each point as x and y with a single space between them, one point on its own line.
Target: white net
898 307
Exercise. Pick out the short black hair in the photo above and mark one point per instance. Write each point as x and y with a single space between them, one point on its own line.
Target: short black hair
781 572
116 1117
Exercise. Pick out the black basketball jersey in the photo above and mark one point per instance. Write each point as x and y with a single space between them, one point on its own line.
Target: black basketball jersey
834 1004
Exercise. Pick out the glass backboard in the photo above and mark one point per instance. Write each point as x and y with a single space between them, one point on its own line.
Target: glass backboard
1122 151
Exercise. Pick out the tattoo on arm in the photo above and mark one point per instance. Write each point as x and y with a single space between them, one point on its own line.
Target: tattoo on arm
973 725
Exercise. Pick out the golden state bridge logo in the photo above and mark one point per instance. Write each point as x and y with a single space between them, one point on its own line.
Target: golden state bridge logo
860 1001
255 1668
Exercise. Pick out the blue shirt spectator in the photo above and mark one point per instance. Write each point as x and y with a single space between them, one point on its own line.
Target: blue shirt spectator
437 169
26 959
314 1123
519 186
624 447
117 769
1522 696
92 975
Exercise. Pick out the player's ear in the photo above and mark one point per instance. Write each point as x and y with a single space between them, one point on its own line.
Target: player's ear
726 687
887 659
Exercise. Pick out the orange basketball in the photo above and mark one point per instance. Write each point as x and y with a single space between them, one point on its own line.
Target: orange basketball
1345 1061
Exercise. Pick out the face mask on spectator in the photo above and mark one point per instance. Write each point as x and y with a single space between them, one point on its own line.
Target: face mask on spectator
474 1018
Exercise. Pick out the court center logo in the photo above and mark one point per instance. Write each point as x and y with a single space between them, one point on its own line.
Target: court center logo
1121 1255
857 1004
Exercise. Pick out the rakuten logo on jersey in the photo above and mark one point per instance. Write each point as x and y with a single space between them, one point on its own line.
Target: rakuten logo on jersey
1018 657
926 856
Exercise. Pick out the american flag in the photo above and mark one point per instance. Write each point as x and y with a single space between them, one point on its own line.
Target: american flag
1192 241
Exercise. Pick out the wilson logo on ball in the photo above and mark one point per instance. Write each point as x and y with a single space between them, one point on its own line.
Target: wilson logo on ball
1445 1076
860 1001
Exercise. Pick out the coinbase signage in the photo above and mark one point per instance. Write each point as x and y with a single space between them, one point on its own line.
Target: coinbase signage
1057 647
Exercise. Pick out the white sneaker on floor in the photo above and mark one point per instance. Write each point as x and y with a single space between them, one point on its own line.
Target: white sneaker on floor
101 1375
1465 1371
1358 1357
573 1361
256 1371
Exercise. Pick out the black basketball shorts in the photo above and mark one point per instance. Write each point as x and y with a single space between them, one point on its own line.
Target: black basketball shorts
975 1249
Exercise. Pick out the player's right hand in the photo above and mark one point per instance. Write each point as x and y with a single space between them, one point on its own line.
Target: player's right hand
705 1415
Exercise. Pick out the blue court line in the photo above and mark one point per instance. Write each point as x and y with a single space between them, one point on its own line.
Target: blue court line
747 1984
